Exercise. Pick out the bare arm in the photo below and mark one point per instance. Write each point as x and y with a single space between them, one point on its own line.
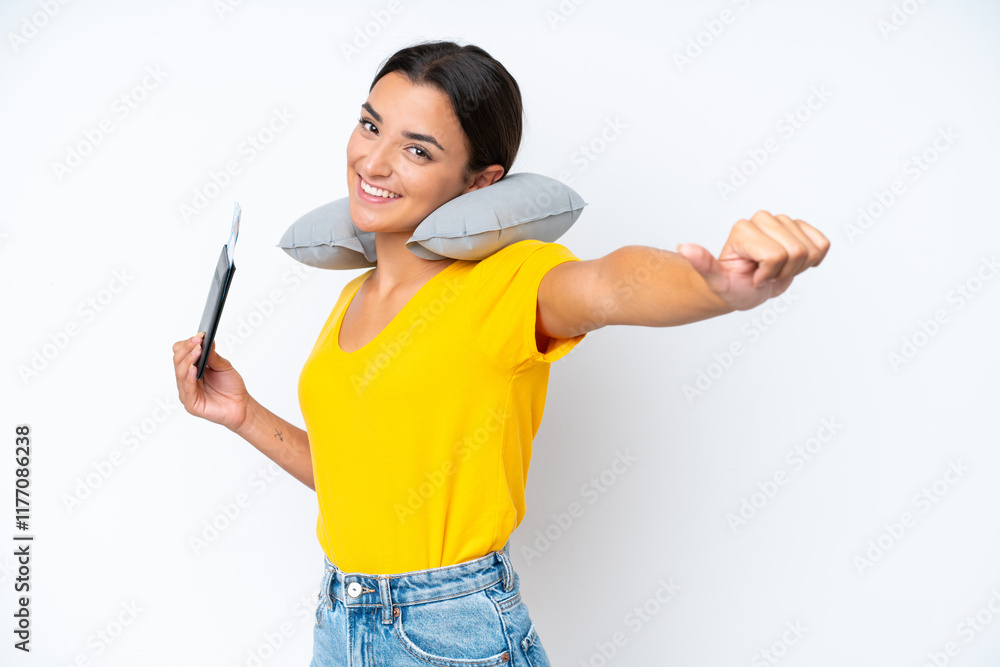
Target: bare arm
285 444
645 286
221 397
650 287
634 284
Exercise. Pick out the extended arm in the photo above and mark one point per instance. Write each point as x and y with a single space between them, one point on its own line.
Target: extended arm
645 286
650 287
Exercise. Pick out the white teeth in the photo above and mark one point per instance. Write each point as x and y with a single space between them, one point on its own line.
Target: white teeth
378 192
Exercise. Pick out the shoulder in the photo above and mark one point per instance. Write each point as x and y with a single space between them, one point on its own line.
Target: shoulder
526 253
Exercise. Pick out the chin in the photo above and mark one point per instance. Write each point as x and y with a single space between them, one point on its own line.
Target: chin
359 216
368 221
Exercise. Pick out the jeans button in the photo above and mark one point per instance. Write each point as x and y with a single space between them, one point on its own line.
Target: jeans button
354 589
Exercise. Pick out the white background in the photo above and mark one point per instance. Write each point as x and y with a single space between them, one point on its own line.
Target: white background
66 234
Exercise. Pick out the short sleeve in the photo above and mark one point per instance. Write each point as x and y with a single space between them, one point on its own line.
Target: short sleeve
345 294
507 295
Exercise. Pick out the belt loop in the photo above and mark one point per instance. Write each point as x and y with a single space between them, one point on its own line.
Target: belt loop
325 588
508 568
384 591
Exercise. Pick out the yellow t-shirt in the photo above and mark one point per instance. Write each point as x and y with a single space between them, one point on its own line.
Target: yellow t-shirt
421 439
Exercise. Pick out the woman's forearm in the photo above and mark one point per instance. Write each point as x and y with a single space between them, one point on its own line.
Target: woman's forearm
283 443
650 287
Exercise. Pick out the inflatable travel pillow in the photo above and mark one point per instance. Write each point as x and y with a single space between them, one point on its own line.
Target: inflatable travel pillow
471 226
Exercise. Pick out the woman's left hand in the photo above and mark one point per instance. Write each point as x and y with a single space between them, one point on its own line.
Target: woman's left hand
759 259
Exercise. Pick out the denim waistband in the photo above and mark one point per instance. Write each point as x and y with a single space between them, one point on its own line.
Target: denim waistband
387 590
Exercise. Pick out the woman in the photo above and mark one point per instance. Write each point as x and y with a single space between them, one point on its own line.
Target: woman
427 383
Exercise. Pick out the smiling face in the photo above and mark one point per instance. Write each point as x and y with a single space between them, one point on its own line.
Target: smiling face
409 144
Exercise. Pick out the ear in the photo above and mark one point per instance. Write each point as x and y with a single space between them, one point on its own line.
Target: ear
485 177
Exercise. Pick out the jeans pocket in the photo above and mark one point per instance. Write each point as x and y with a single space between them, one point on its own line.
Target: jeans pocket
521 629
459 631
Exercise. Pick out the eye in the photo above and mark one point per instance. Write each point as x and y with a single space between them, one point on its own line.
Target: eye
421 152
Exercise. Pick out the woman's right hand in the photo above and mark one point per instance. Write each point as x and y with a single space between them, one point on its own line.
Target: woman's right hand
220 396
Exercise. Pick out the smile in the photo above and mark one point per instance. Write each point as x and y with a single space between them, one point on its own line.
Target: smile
378 192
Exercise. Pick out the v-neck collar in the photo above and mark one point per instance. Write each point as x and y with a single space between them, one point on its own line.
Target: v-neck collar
392 322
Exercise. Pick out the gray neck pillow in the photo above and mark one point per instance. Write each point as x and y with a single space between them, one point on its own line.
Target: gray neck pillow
471 226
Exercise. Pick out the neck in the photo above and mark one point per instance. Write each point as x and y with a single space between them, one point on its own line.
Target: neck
397 266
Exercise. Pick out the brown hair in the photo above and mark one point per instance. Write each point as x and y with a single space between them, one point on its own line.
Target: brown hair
485 97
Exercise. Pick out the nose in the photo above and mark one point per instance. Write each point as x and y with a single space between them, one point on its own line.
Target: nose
377 162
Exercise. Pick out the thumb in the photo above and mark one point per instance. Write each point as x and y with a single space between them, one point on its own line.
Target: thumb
216 362
705 264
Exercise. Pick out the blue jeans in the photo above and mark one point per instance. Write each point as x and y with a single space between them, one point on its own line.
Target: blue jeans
465 615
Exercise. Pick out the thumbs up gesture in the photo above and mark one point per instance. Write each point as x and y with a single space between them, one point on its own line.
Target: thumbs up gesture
759 260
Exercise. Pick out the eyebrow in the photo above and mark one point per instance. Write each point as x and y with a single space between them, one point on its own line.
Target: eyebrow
409 135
